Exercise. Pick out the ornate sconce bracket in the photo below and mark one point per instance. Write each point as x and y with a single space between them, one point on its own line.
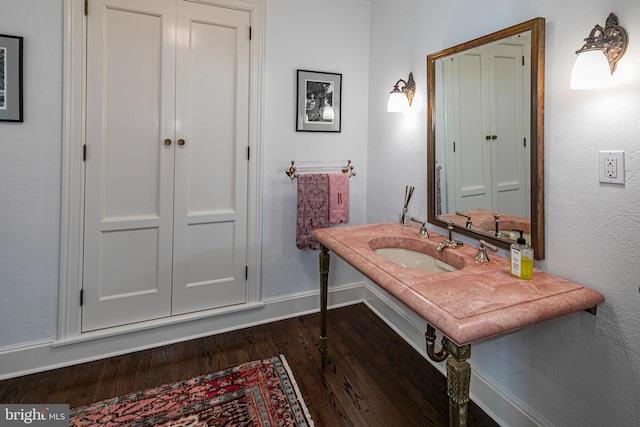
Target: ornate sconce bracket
408 88
611 40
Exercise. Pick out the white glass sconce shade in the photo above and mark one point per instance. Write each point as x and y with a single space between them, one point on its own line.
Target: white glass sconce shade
397 103
591 70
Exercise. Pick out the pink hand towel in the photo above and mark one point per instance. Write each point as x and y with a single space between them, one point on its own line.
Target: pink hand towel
313 205
338 198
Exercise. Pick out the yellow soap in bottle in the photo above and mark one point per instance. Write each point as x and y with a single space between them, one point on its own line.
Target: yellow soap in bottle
521 258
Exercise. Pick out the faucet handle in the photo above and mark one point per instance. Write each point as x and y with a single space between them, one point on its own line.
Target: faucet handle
423 233
468 223
482 256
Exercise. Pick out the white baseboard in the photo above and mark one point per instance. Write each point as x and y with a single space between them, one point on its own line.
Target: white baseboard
497 402
41 356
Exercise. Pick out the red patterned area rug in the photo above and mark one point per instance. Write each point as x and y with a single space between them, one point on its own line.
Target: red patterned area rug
261 393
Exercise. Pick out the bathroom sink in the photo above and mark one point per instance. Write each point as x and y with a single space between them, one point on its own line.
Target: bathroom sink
415 260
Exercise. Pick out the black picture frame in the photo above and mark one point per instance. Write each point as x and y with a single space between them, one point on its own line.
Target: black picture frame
11 109
319 102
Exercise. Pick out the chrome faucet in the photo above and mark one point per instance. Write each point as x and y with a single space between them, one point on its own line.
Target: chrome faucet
468 224
449 243
423 228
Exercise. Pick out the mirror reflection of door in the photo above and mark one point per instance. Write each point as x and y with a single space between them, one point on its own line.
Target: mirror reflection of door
483 128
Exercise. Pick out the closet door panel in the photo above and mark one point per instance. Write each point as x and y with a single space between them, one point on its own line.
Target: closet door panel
205 240
473 151
508 163
133 275
129 169
132 125
212 118
211 167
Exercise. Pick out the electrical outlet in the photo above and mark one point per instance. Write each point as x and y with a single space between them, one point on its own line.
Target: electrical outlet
611 167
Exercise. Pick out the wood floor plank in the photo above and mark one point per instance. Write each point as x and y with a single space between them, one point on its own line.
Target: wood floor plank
391 355
374 378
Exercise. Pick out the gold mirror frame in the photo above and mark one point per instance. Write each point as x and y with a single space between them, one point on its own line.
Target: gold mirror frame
537 28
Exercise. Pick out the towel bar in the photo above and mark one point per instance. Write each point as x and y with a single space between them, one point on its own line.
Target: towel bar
319 166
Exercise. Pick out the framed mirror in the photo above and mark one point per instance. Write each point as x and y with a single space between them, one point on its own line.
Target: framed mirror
485 136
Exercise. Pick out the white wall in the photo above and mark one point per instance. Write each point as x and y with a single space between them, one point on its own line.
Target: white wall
331 36
579 370
30 162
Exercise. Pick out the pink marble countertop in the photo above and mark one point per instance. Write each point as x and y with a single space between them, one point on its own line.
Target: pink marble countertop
476 302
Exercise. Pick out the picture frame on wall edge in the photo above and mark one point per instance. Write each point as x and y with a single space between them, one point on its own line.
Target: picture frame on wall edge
319 102
11 108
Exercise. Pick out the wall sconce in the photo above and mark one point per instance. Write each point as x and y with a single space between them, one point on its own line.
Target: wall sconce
397 103
597 59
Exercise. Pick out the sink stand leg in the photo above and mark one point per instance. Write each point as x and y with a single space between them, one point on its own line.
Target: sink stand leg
458 369
458 379
324 290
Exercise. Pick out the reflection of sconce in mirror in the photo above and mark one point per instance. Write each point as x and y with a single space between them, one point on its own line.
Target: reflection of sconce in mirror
597 59
397 103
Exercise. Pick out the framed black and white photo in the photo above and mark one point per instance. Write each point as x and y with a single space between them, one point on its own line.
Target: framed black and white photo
10 78
319 102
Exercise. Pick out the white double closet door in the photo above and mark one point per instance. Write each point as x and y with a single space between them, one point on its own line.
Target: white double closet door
166 185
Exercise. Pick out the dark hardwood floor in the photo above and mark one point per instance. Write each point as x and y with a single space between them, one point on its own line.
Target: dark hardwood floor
374 377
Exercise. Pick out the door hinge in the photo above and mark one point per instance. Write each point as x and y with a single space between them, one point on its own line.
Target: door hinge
525 142
81 297
86 7
246 272
250 32
84 153
454 146
248 153
523 60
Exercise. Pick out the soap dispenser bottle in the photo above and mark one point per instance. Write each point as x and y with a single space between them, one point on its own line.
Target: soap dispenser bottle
521 258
